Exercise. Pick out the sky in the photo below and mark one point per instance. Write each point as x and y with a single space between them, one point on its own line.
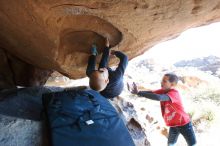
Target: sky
192 43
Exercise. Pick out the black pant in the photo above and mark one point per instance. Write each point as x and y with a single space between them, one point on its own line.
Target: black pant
92 62
187 132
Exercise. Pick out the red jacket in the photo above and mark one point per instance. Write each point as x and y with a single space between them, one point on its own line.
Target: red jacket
173 111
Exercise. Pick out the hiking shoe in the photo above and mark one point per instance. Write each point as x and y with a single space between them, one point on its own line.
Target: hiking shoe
94 50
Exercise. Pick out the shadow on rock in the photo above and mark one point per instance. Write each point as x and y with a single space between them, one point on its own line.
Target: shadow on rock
24 103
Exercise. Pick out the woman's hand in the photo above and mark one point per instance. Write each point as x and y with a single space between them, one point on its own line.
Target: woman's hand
133 88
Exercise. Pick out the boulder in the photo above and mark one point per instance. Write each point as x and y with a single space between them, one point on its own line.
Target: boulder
57 34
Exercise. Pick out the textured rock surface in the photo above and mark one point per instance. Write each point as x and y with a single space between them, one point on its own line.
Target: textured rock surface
6 76
20 132
130 117
56 35
15 72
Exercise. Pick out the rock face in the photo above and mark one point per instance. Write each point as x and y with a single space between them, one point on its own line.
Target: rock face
57 35
15 72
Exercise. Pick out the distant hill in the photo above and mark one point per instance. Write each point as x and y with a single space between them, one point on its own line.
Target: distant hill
210 64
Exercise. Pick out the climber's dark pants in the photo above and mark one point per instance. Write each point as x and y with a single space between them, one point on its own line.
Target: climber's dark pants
92 62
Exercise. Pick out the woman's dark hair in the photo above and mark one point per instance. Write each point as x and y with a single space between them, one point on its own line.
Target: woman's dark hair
172 77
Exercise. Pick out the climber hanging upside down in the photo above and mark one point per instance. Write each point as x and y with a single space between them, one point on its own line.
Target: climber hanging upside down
105 80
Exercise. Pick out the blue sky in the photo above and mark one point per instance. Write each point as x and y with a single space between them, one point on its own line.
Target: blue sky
193 43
